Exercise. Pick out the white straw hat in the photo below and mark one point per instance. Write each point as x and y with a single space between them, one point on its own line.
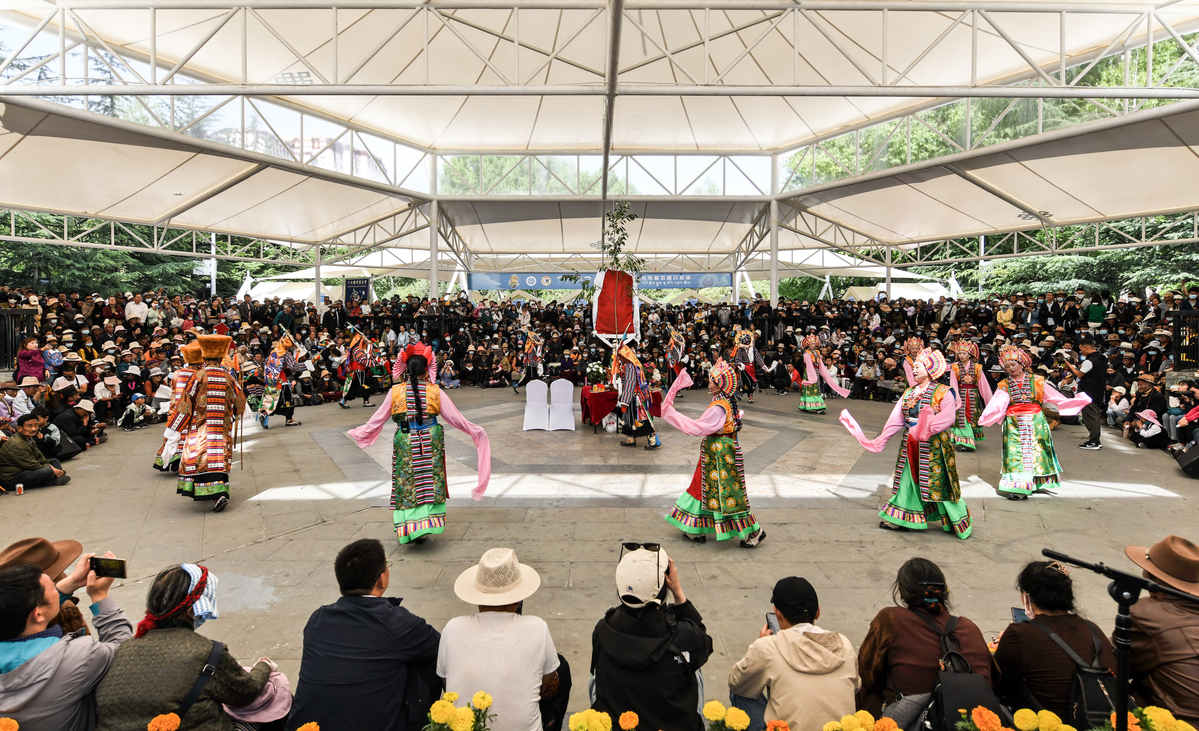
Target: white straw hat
498 580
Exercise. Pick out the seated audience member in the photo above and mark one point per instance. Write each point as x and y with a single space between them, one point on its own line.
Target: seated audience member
47 676
155 671
645 653
902 652
361 654
1147 432
32 395
21 462
1033 668
1165 630
136 414
78 423
1117 406
811 673
502 652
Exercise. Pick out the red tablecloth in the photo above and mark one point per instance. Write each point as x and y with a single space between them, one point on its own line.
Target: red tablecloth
596 406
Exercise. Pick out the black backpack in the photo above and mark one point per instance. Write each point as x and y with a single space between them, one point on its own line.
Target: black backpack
956 686
1092 687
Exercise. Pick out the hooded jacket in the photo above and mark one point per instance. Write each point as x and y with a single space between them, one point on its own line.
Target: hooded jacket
644 660
49 684
811 676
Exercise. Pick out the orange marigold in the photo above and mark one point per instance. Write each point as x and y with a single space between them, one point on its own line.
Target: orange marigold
777 726
628 721
1133 723
164 722
8 724
310 726
985 719
885 724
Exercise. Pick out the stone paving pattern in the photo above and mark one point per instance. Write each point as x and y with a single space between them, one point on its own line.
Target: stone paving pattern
566 500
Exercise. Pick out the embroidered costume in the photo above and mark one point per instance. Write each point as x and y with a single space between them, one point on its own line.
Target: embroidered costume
970 385
277 395
747 360
1029 460
419 486
209 407
167 458
628 380
716 502
356 370
925 483
810 397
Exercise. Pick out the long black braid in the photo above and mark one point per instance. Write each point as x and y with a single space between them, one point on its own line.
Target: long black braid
736 412
418 365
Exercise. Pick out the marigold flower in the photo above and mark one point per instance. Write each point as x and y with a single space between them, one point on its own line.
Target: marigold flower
736 719
578 721
777 726
463 720
8 724
628 721
162 722
1181 725
985 719
450 696
1134 724
1026 720
1066 727
886 724
832 726
714 711
481 701
310 726
1048 721
441 712
850 723
600 721
865 719
1160 718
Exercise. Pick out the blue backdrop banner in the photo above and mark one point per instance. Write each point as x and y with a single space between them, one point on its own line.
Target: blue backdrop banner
357 289
646 280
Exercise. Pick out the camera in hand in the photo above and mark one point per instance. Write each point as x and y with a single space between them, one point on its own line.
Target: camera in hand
108 568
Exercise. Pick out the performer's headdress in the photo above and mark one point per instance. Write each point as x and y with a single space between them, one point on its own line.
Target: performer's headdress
1011 354
191 354
284 343
811 342
421 349
966 346
913 341
743 338
933 362
214 346
725 377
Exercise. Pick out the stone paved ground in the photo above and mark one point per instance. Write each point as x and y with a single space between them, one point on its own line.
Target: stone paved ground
565 501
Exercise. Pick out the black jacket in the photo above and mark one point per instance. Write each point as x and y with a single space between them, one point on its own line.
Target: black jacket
639 665
359 654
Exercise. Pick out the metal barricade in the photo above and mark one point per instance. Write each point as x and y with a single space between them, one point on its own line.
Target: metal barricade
15 324
1186 339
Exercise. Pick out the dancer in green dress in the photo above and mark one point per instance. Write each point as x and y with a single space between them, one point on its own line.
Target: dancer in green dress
968 381
810 397
925 483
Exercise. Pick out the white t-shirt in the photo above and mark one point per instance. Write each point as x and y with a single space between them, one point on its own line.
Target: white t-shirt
504 655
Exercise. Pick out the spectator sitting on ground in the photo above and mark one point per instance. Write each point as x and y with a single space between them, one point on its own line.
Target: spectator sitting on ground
21 462
1117 406
47 677
902 653
645 655
1030 662
77 423
811 673
32 395
136 413
1165 630
502 652
155 671
366 658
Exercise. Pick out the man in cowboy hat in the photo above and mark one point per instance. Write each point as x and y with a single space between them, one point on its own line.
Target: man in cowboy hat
509 655
1165 630
21 462
32 395
47 675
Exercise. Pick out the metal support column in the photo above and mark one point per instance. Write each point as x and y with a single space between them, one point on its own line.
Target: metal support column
736 293
888 272
433 284
212 268
774 253
317 296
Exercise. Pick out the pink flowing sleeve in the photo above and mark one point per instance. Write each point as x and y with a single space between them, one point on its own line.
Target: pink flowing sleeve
984 386
996 408
809 369
953 380
907 372
709 422
832 382
454 418
929 423
681 381
893 426
1066 406
366 434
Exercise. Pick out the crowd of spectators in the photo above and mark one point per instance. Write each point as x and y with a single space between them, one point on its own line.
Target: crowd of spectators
370 663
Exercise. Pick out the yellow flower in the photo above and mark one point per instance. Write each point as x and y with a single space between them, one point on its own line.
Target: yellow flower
578 721
714 711
628 721
450 696
736 719
600 721
463 720
865 719
1048 721
1161 719
832 726
850 723
1066 727
164 722
441 712
1180 725
1026 720
481 701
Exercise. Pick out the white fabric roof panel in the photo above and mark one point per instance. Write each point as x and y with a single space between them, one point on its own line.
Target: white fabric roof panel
641 123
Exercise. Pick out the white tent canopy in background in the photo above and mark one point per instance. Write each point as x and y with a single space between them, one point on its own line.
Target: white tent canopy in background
295 290
907 290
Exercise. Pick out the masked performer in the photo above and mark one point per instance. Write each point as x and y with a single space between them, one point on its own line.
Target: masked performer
628 380
167 459
676 353
533 368
925 485
716 501
748 361
209 408
810 397
419 488
277 397
967 380
356 371
1029 461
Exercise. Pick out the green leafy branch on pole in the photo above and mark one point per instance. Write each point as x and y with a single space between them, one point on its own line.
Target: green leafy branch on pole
613 258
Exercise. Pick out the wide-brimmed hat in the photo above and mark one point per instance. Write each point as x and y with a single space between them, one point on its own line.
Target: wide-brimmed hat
498 580
30 381
88 406
1173 560
52 558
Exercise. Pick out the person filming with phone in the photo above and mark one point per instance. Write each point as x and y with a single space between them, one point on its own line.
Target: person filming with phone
795 671
48 677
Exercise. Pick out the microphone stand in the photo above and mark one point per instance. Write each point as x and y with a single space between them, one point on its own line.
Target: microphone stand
1126 589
